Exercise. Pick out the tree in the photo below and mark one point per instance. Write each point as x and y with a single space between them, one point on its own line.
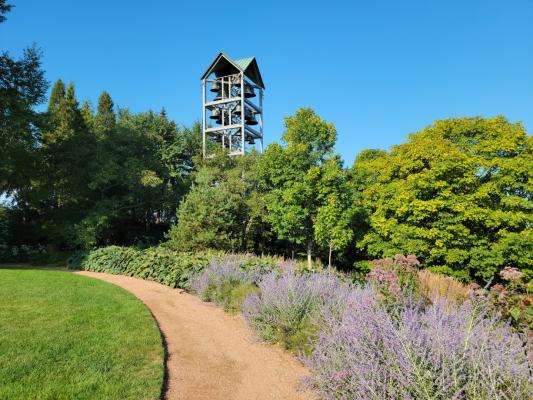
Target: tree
4 9
105 115
458 194
22 87
333 226
223 209
56 96
289 177
60 190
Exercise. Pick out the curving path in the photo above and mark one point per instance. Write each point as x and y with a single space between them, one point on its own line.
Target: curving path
213 355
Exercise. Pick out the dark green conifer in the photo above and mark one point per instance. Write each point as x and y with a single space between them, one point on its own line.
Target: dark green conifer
105 116
58 94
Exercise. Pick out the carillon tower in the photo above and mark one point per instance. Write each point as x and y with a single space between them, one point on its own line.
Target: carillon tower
232 111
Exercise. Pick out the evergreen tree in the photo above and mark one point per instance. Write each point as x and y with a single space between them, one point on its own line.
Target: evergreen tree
57 95
223 210
87 114
22 87
105 116
4 9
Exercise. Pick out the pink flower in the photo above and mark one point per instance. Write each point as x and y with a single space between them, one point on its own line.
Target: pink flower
283 264
394 288
511 273
501 290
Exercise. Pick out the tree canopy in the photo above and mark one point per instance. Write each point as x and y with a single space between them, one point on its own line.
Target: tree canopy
296 179
458 194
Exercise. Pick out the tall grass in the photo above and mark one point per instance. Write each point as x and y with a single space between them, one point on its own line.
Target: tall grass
440 287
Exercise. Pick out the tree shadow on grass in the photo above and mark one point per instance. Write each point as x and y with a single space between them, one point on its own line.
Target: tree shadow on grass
164 384
36 267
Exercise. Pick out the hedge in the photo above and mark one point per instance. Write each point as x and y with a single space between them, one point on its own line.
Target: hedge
158 264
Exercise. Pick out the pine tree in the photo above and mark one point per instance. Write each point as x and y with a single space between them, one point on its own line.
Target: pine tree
4 9
58 94
68 116
87 114
105 116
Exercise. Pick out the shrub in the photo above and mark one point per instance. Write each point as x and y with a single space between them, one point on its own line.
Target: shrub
22 253
395 277
162 264
287 308
158 264
236 297
513 298
49 258
226 281
436 352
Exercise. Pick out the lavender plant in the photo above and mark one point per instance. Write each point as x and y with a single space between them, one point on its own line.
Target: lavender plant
359 346
436 352
226 282
287 308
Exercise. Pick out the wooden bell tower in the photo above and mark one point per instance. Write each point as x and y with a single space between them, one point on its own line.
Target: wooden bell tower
232 93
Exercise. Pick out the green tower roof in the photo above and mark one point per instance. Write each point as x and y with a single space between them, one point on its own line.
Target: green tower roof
223 65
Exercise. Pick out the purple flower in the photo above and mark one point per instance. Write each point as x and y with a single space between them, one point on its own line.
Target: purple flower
411 352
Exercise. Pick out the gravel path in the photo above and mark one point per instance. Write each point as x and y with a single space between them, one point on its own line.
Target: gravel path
213 355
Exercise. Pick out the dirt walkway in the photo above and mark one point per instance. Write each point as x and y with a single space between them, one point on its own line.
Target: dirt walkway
213 355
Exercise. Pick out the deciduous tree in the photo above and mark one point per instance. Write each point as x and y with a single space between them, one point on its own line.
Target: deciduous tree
289 177
458 194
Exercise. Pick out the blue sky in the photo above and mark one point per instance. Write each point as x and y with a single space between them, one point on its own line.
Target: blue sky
377 69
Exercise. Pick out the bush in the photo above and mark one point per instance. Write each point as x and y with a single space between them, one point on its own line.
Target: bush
161 264
438 352
224 281
287 308
395 277
58 258
157 264
513 298
24 253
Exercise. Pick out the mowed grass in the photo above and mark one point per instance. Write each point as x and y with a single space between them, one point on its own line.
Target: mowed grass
65 336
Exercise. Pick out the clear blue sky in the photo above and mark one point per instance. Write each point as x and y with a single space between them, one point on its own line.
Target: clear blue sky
377 69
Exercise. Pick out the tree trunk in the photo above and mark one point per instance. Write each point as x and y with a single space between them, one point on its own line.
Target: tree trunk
329 257
309 254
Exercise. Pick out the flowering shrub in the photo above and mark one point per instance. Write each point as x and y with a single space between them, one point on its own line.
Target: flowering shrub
226 281
417 353
287 308
391 276
513 299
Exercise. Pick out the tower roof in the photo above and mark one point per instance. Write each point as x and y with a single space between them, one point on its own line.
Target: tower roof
223 65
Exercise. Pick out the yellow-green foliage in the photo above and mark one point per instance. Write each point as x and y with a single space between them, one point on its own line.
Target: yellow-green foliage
457 194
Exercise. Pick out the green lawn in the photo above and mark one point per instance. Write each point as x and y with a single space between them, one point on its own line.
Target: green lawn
65 336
